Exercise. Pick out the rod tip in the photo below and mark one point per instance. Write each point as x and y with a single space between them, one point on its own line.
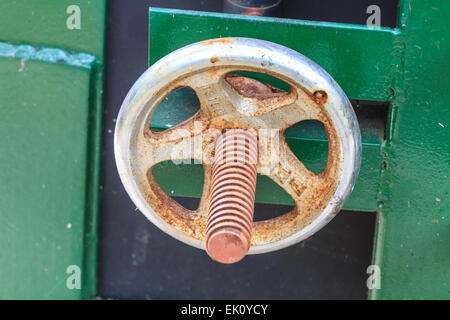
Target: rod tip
227 246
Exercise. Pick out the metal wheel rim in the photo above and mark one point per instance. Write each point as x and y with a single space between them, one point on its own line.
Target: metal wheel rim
237 52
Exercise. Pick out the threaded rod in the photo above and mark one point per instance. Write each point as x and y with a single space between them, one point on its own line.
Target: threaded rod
230 213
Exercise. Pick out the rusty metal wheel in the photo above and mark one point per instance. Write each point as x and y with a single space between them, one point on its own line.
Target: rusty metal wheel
229 102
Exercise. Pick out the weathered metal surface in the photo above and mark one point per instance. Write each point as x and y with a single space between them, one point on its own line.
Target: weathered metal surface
203 67
50 102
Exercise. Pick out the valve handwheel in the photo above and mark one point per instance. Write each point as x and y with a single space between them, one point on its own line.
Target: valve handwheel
242 104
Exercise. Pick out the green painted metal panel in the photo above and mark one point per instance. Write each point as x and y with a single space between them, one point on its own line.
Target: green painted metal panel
43 177
413 232
307 142
408 173
51 81
357 57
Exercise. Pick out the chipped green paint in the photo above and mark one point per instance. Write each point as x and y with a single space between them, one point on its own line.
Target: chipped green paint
50 55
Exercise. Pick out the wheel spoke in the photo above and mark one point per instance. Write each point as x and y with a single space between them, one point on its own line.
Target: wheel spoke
204 199
301 108
291 174
172 144
208 86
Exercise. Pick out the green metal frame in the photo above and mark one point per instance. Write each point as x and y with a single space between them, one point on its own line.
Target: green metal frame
51 82
404 174
173 29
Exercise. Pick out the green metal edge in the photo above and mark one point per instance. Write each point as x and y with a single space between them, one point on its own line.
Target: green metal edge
90 266
93 183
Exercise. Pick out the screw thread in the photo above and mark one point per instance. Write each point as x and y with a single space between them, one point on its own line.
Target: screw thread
230 213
